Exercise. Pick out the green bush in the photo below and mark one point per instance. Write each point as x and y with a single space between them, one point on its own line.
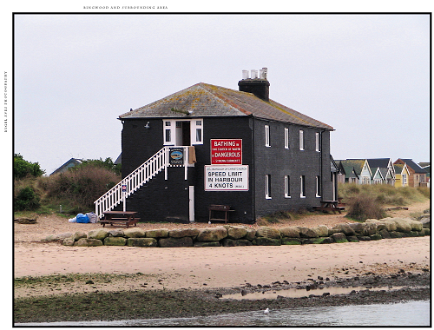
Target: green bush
26 200
23 168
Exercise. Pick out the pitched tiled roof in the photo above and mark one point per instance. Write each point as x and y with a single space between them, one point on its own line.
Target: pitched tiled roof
205 100
357 164
415 167
378 162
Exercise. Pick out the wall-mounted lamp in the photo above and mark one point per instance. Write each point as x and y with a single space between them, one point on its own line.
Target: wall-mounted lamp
147 125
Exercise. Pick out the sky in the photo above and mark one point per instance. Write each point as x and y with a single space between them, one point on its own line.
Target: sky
75 72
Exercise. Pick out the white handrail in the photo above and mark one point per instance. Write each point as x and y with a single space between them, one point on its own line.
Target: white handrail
135 180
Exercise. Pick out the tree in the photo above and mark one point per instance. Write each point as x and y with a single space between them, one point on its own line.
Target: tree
24 168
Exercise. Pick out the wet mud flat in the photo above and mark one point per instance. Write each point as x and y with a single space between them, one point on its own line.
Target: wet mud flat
148 304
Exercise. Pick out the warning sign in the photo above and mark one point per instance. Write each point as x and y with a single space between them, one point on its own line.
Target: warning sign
226 177
226 151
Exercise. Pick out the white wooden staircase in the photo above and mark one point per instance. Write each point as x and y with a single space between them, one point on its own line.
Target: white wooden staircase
136 179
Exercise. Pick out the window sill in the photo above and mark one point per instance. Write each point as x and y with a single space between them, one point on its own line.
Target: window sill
288 197
266 197
302 196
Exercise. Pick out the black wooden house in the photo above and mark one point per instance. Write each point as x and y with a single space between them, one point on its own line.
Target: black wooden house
208 145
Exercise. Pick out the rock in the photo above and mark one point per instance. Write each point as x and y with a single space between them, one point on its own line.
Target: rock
157 233
251 234
395 234
207 244
352 238
356 226
376 237
212 234
290 241
426 231
307 232
426 222
364 238
68 241
268 232
316 240
135 232
344 228
292 232
384 233
141 242
415 225
237 232
339 238
321 230
79 234
26 221
175 242
187 232
267 241
236 242
51 238
88 242
115 241
402 225
116 233
389 223
97 234
369 229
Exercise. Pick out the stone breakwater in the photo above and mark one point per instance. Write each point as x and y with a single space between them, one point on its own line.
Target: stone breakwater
229 235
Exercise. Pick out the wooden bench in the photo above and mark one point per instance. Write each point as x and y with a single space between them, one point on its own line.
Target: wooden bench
332 206
126 218
219 208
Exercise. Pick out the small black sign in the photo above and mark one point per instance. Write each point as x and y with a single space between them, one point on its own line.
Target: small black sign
176 156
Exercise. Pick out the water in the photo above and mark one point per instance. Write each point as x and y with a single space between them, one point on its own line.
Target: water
414 313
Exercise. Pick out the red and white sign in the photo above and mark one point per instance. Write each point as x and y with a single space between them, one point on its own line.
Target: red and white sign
226 151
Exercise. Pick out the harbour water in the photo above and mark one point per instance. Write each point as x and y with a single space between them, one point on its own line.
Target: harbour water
413 313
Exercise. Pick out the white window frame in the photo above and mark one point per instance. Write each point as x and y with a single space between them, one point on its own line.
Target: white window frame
268 186
318 186
196 131
302 186
168 131
301 139
404 179
286 138
287 182
317 142
267 136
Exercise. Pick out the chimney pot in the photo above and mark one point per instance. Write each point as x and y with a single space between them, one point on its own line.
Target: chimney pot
259 87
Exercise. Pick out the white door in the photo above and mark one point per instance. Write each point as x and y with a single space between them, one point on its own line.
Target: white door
191 203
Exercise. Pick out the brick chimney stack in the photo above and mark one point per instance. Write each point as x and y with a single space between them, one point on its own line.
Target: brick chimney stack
259 86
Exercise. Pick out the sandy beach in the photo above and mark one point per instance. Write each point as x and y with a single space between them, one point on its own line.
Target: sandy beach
210 267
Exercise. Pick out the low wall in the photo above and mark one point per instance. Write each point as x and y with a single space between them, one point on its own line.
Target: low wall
228 235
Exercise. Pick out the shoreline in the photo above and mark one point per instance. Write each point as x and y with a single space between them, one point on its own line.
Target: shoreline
156 304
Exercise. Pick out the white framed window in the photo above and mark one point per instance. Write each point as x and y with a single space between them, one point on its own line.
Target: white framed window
286 138
287 186
317 142
197 131
301 138
168 133
267 186
404 179
318 186
302 186
267 136
175 132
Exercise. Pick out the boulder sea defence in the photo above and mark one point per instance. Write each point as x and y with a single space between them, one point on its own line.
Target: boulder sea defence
240 235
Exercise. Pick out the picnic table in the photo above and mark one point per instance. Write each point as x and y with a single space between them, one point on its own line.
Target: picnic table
126 218
330 206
